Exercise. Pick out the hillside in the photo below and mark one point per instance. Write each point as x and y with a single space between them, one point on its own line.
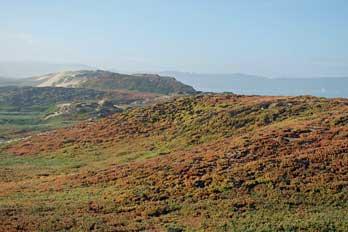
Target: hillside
27 109
201 163
104 80
22 97
64 98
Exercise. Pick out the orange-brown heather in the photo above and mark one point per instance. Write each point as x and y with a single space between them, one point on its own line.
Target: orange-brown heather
217 162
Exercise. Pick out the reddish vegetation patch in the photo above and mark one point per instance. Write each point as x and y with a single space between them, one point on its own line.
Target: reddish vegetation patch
240 156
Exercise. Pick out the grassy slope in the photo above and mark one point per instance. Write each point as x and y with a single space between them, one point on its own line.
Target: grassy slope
207 163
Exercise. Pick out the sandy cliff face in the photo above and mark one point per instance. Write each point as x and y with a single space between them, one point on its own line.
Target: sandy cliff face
63 79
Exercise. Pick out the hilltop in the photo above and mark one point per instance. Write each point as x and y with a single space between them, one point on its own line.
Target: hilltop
105 80
216 162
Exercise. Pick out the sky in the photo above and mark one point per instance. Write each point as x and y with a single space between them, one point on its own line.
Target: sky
274 38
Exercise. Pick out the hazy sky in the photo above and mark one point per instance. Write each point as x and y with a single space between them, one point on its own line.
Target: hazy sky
265 37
